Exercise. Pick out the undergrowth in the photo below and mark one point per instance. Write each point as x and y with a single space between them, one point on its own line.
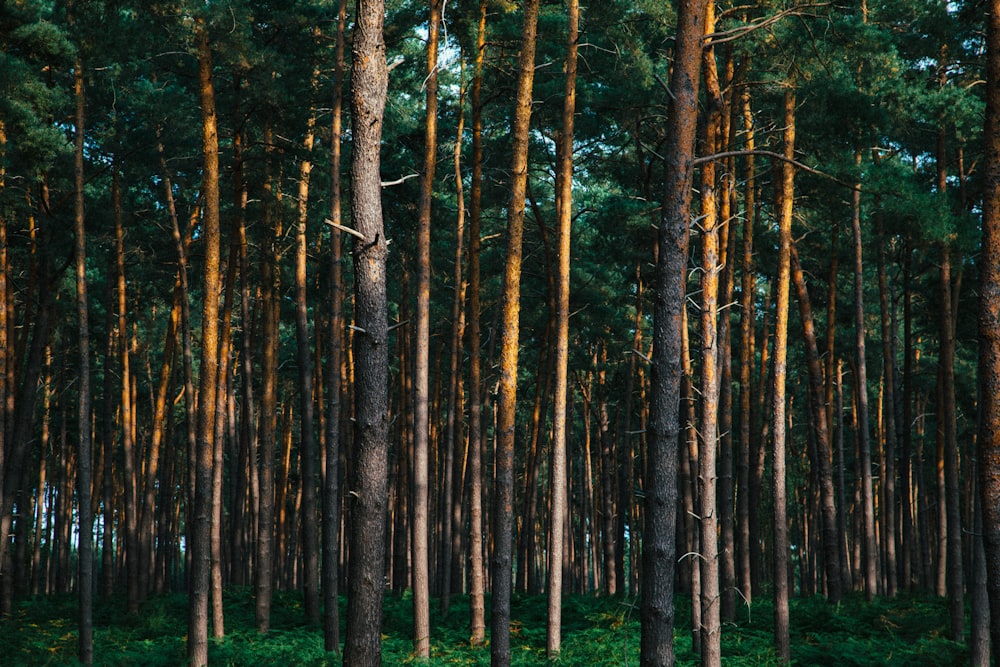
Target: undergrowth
597 632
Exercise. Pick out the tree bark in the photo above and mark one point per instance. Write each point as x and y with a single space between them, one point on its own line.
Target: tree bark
657 612
201 531
85 644
778 426
421 355
564 212
477 583
331 485
369 478
510 307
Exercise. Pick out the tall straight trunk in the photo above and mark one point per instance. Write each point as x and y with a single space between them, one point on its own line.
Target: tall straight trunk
265 552
6 359
889 423
85 645
564 212
747 340
331 484
421 355
979 613
201 531
988 442
687 470
910 551
371 363
477 583
869 553
778 426
307 447
708 428
450 544
510 307
133 566
657 612
822 462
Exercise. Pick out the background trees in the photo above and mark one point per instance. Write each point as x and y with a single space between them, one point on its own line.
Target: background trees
886 104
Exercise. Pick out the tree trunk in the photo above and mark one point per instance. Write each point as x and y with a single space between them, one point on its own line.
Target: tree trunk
201 531
477 584
564 211
85 646
307 447
421 355
822 462
331 485
778 427
657 612
889 422
869 554
369 487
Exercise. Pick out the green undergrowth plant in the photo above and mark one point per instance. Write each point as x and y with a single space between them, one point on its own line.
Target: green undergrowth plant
597 632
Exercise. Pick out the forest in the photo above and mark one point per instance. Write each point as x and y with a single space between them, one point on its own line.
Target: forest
363 317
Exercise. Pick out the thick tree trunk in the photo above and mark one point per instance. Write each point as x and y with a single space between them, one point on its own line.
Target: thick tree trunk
369 477
510 307
780 501
421 355
671 270
564 212
201 531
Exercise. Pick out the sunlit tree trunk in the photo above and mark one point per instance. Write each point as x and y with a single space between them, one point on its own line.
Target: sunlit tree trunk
201 531
369 476
657 612
510 307
778 426
421 354
564 212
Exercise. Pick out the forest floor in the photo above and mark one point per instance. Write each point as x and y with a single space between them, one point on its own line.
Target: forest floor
907 631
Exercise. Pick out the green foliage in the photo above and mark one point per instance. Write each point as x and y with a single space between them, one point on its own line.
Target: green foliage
598 632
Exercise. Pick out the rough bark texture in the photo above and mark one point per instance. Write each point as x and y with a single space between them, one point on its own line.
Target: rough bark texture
659 545
201 531
564 207
510 308
368 489
989 326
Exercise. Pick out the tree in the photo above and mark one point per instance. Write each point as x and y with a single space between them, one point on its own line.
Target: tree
202 513
671 266
510 309
564 206
369 76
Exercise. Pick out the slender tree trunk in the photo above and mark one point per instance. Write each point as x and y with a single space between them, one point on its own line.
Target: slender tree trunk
870 552
307 450
331 485
201 531
747 340
889 422
85 646
781 542
421 366
564 211
477 584
369 478
910 550
822 462
657 613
